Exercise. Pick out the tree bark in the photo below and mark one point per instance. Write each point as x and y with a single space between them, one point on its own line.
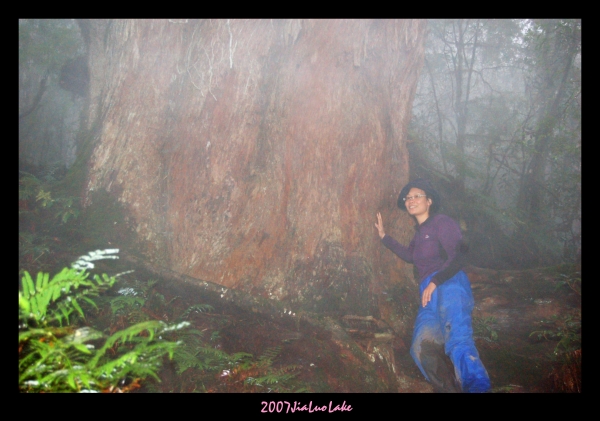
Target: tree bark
256 153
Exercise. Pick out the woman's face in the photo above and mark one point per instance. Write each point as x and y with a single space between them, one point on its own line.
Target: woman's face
418 206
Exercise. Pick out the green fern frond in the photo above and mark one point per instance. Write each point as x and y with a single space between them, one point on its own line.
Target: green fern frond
35 300
269 355
128 334
61 359
197 308
288 368
126 304
28 185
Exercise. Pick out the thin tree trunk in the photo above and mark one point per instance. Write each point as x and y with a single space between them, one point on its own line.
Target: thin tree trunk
439 117
532 192
38 97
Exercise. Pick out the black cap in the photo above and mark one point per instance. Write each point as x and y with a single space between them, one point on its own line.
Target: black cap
424 185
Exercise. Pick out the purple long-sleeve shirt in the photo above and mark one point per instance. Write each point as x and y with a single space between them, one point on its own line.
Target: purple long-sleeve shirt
436 246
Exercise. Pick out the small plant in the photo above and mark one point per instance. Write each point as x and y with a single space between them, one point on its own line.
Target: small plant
33 247
573 282
55 355
65 206
138 303
198 308
269 378
39 208
29 185
218 371
483 327
566 330
241 372
126 304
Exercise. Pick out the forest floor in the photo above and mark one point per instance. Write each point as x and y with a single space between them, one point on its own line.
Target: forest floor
534 319
527 328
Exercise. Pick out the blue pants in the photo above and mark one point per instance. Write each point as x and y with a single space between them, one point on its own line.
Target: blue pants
446 320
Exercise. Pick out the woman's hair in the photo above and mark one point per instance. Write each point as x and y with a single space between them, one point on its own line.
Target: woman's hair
424 185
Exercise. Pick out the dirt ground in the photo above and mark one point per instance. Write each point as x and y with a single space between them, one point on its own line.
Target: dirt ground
331 356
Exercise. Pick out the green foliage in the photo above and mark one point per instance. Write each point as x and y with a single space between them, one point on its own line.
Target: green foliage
126 304
572 282
40 206
198 308
136 302
566 330
29 185
33 245
198 354
57 356
483 327
35 300
187 355
270 378
131 299
195 353
65 206
237 372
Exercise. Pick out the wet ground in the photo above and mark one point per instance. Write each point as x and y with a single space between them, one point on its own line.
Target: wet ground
536 319
345 355
337 354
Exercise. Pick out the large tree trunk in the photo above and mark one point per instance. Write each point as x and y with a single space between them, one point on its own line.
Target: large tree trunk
256 153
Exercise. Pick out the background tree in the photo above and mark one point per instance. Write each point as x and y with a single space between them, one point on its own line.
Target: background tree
553 82
48 114
489 88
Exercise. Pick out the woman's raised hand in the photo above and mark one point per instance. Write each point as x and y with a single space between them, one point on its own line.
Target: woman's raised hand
379 225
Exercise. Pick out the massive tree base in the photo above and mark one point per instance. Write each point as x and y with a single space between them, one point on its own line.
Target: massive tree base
362 345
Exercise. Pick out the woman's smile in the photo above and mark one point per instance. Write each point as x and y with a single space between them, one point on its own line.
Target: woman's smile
417 204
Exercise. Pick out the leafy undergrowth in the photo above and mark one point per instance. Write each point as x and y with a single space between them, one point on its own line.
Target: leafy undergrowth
228 350
531 345
223 349
59 353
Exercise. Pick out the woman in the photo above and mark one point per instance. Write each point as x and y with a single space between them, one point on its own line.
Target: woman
443 324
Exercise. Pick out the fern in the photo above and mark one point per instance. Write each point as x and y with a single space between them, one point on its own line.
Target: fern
566 330
239 371
28 185
35 299
483 327
274 379
197 308
269 355
64 358
126 304
144 359
187 355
